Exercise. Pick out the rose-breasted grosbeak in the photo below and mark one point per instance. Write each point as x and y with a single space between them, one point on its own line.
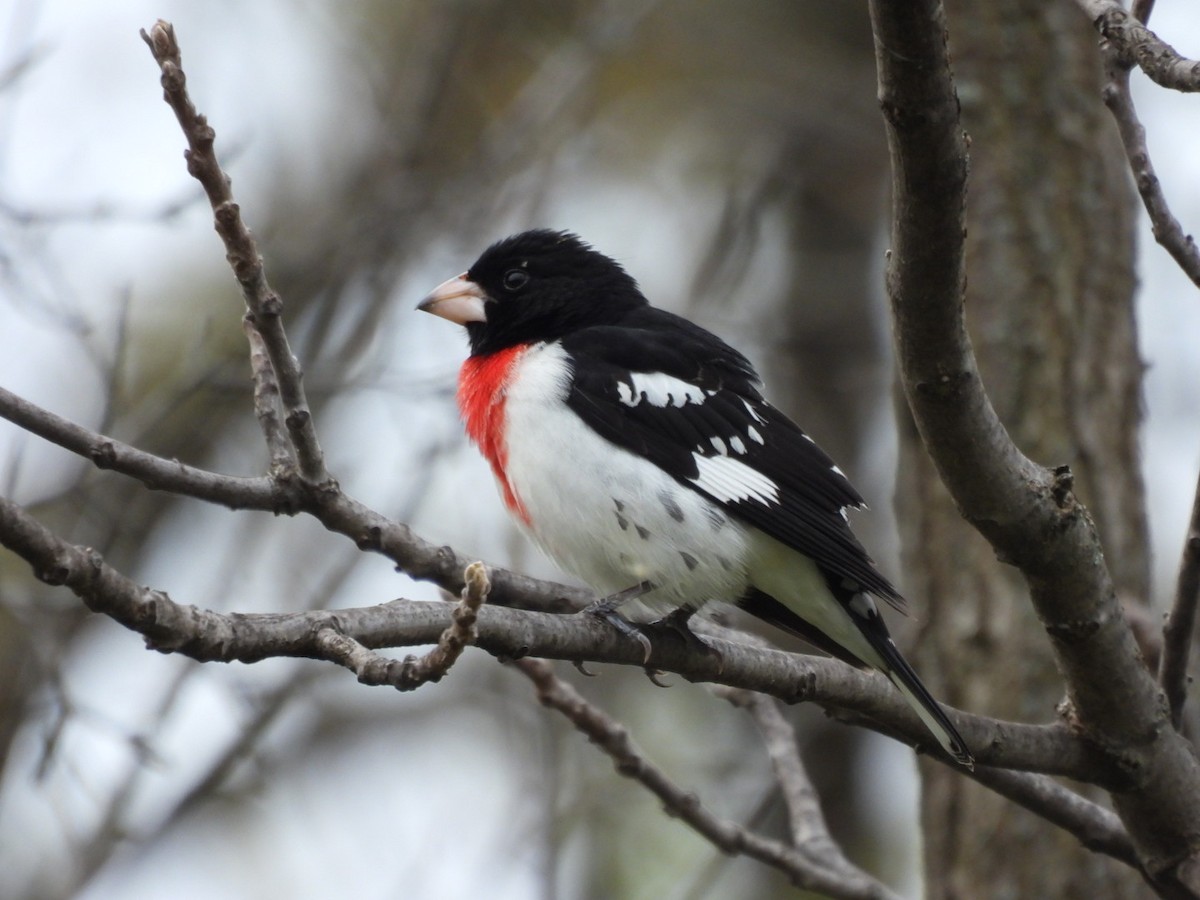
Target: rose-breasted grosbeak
634 446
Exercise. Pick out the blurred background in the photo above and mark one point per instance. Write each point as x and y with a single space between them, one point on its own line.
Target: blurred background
730 155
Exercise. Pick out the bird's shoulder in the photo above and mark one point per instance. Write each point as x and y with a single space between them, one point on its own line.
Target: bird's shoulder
651 341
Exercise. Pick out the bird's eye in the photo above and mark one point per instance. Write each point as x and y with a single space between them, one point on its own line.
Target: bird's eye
515 279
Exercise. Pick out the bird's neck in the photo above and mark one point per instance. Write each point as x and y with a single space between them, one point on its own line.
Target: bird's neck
482 390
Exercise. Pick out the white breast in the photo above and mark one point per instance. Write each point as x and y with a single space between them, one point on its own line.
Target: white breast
604 514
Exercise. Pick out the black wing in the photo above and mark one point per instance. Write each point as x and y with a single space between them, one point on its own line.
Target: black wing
677 395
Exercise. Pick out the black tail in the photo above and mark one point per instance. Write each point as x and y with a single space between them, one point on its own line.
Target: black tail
871 626
901 674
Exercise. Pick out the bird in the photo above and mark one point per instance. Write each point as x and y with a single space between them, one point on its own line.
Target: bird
637 450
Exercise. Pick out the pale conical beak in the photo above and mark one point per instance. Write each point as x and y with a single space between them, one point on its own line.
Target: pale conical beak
459 299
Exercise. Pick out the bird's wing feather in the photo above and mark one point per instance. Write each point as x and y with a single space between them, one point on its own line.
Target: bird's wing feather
676 395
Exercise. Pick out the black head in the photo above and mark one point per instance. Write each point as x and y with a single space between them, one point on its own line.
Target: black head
534 286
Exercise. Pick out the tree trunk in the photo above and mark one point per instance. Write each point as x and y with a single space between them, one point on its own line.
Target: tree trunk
1050 305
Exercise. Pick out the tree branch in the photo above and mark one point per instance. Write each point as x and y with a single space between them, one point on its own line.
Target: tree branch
831 876
810 834
1097 828
265 305
374 669
1138 46
288 496
1165 227
154 472
1181 621
266 402
209 636
1028 514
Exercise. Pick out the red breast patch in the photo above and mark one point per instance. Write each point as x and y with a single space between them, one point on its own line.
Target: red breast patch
482 393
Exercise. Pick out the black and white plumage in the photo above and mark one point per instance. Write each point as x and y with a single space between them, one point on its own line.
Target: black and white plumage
633 446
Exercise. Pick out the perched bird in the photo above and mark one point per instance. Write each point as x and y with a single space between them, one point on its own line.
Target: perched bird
634 447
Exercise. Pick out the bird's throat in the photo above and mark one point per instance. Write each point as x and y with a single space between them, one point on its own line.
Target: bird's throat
482 393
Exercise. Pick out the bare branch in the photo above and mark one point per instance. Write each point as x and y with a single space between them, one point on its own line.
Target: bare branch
1028 514
804 807
1181 621
268 710
92 854
1096 828
1166 228
153 471
216 774
809 831
1138 46
209 636
336 511
265 305
408 675
807 870
266 402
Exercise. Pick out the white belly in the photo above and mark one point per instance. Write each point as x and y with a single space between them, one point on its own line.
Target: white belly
606 515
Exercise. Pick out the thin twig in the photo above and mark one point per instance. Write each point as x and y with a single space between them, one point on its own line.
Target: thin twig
409 674
335 510
91 855
265 305
1094 826
206 786
807 821
1181 621
155 472
1165 227
266 401
1180 624
809 872
1138 45
1097 828
268 710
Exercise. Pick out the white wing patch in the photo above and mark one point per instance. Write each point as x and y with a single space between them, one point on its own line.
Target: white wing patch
754 414
659 389
730 480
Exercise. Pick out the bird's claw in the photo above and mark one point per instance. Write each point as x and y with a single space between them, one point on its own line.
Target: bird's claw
605 609
623 626
653 674
675 623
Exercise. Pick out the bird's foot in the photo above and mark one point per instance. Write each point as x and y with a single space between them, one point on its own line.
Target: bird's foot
610 604
605 609
671 627
674 625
